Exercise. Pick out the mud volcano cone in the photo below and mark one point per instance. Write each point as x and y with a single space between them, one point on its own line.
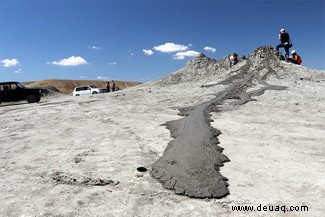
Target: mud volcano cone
190 164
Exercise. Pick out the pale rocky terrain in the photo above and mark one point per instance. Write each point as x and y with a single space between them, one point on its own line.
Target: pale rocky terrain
78 156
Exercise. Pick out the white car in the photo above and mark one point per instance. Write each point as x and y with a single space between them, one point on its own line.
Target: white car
85 90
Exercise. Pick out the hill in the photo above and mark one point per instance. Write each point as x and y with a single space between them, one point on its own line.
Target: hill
67 86
199 144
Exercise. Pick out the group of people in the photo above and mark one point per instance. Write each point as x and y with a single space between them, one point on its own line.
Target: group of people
285 43
110 87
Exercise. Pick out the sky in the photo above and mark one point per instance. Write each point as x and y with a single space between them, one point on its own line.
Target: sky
143 40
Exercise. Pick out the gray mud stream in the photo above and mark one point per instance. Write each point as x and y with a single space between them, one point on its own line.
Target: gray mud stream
191 162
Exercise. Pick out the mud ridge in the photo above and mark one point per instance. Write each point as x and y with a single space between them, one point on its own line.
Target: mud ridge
191 162
68 179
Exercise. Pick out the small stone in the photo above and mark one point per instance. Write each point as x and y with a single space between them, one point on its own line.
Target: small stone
77 159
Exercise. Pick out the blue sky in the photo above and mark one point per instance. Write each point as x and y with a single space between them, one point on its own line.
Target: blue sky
145 40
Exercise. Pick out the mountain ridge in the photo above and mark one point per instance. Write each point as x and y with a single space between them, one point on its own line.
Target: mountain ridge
202 66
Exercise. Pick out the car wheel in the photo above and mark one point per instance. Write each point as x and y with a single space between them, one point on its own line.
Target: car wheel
38 99
94 92
31 98
77 95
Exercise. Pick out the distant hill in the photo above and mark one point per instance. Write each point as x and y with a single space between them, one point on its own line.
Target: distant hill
67 86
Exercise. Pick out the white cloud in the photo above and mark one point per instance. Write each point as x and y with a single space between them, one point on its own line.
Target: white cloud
112 63
94 48
18 71
9 63
102 78
182 55
147 52
71 61
83 77
170 47
131 53
212 49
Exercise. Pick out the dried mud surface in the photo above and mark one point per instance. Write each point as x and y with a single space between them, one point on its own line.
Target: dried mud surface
191 162
78 156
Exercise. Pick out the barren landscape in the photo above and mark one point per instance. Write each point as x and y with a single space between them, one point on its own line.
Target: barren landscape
249 135
67 86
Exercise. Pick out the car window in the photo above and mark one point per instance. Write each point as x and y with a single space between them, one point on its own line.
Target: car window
82 88
6 87
14 86
20 85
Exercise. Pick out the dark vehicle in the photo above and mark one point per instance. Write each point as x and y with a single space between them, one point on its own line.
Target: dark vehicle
15 91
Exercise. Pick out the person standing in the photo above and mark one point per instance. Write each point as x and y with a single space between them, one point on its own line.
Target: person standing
285 42
108 87
113 87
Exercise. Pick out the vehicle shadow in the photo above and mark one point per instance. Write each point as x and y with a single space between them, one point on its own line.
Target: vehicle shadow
6 104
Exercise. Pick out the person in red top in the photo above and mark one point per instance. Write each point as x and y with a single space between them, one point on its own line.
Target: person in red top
296 59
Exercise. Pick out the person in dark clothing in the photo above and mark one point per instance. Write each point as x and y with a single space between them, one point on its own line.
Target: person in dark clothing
285 42
113 87
233 59
108 87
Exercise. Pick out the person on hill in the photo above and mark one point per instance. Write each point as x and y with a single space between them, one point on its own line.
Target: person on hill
296 59
285 42
243 57
108 87
233 59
